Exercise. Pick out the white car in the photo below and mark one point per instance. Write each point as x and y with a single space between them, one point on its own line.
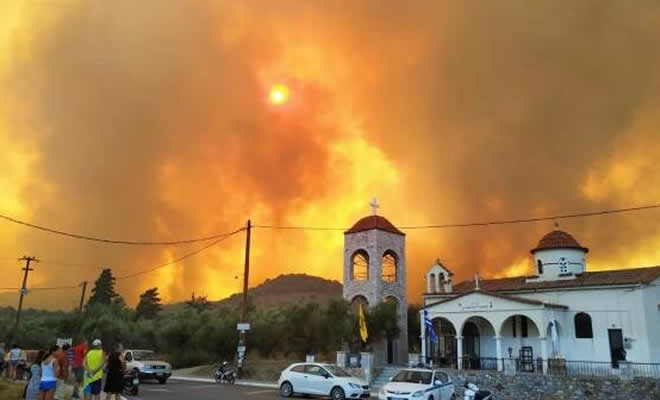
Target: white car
321 380
148 365
418 384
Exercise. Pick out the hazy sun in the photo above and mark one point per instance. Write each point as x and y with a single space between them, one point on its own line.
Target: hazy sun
279 94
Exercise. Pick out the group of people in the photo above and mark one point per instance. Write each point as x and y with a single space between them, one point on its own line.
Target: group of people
10 360
89 366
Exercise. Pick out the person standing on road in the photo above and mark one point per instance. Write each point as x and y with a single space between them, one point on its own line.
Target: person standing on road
114 381
62 371
49 371
79 352
32 388
93 364
14 358
2 358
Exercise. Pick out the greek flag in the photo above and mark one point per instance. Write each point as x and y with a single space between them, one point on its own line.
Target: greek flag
429 327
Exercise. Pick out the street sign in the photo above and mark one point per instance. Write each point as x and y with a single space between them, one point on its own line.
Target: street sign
243 327
241 349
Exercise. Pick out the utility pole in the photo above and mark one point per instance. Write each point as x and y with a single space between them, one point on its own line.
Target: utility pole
82 296
243 326
27 270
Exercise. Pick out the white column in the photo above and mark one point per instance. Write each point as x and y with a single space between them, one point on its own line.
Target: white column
437 283
498 349
423 335
459 351
544 353
428 283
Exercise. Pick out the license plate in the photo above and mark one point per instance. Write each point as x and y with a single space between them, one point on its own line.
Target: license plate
136 381
159 374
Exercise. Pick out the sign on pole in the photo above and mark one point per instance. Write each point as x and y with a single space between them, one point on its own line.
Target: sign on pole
243 327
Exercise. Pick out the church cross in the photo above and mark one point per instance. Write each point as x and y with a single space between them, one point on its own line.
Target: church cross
374 206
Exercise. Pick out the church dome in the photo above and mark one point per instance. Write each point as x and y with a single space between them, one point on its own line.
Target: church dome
558 240
374 222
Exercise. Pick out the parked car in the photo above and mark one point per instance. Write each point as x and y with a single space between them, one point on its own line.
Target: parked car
148 365
321 380
419 384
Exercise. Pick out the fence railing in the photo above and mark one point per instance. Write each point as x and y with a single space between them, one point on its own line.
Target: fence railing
558 367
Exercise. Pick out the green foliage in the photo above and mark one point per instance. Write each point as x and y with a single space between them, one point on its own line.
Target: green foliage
414 329
104 290
198 304
149 305
190 336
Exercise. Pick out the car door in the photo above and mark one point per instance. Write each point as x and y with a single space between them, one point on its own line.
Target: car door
442 383
317 383
296 376
128 357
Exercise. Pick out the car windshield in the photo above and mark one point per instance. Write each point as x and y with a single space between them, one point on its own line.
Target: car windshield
421 377
336 371
143 355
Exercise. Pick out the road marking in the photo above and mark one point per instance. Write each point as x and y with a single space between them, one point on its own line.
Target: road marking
260 392
158 390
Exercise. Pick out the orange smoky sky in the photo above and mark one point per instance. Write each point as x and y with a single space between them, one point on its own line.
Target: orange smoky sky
150 120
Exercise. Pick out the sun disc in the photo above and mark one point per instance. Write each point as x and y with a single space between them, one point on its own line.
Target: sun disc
278 94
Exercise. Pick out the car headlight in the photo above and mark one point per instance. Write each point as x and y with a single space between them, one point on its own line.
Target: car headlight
382 391
418 393
354 385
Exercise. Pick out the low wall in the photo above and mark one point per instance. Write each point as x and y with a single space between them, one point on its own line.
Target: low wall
552 387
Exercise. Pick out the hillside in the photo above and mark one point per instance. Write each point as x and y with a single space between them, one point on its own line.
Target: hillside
289 289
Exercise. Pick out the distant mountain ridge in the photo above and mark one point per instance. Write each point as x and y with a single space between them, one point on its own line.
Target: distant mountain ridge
289 288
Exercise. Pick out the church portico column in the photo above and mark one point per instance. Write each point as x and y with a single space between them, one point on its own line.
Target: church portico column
437 283
423 335
498 350
544 353
459 352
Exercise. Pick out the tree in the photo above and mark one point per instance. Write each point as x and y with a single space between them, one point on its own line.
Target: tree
382 322
198 303
149 305
104 290
414 329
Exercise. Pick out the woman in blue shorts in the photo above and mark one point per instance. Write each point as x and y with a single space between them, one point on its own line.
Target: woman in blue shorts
49 369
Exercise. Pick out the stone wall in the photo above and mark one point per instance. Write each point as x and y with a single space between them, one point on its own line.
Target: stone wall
552 387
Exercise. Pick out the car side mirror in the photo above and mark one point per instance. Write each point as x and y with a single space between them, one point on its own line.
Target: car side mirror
438 382
390 378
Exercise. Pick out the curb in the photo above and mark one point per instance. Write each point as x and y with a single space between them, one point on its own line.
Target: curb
238 382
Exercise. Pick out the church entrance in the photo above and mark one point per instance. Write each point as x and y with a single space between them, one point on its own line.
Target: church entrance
390 351
471 348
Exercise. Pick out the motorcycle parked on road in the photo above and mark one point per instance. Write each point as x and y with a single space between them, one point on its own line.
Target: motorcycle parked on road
131 383
225 374
472 392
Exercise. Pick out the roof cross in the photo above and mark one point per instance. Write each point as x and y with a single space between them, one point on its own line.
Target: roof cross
374 206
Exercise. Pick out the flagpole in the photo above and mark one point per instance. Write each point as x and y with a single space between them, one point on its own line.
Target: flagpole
422 322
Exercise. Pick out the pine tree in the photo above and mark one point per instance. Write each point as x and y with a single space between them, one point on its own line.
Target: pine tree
149 305
104 289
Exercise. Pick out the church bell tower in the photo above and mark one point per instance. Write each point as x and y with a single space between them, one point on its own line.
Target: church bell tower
375 271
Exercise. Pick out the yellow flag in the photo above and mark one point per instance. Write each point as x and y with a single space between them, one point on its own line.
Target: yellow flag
363 325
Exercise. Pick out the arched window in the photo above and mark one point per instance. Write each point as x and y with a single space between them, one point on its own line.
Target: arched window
389 266
431 278
583 328
539 263
360 266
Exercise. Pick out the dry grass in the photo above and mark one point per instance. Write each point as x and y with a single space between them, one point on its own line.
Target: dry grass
10 390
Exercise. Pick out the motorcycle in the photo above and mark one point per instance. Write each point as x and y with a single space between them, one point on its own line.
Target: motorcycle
472 392
131 383
226 376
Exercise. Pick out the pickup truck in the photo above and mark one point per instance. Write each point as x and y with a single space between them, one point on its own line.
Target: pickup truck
148 365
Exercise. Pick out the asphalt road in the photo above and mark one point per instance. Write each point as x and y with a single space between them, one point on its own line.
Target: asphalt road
178 390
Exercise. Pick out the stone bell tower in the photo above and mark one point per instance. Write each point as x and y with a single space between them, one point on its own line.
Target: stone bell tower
375 271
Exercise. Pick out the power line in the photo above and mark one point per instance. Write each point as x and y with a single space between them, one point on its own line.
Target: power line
177 260
477 224
183 257
110 241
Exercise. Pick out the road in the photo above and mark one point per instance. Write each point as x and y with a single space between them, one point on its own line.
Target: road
178 390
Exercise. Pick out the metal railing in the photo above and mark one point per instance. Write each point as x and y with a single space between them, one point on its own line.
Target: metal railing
559 367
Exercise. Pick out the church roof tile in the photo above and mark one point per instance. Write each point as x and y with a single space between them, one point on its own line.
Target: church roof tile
374 222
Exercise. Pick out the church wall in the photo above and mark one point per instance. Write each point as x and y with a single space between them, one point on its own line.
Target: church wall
609 308
651 303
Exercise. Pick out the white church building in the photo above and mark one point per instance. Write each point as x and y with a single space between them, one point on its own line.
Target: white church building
562 317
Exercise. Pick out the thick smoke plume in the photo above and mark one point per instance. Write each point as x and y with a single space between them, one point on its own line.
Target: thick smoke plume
150 120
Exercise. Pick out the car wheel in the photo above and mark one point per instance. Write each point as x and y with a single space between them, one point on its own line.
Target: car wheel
286 390
337 393
430 397
453 396
162 381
